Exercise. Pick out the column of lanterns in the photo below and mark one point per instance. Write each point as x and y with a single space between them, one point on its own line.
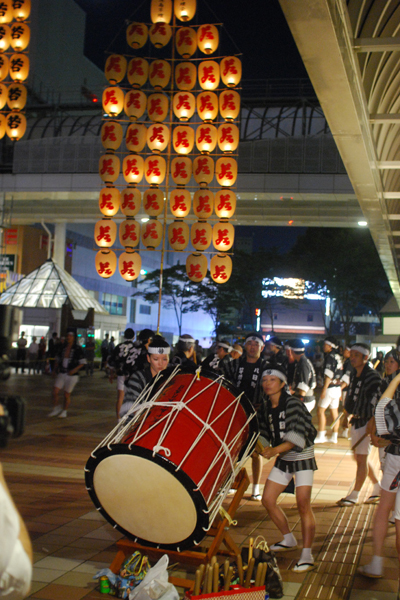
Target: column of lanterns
14 66
161 103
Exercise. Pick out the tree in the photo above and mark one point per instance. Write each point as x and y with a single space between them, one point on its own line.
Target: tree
346 263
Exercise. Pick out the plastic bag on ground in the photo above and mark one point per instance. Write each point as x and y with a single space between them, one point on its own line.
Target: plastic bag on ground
155 585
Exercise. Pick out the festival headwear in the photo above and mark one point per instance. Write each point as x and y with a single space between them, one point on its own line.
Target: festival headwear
275 372
254 337
237 348
145 335
129 333
296 345
360 349
331 341
224 344
393 353
158 346
275 341
187 339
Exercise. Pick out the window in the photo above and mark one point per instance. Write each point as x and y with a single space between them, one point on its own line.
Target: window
310 318
144 309
133 311
116 305
275 317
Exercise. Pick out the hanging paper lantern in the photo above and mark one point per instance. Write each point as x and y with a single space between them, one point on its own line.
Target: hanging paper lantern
223 235
201 235
158 137
129 265
115 68
111 135
135 138
4 66
105 232
226 171
185 75
135 104
6 11
154 169
206 138
179 202
178 235
196 267
16 96
229 105
228 137
20 36
225 204
207 38
21 9
185 9
185 41
129 233
220 268
106 263
183 139
132 168
181 170
207 106
109 167
231 70
157 107
109 201
159 74
3 95
130 201
183 105
208 74
15 125
152 234
161 11
203 170
19 67
2 126
153 202
136 35
5 37
203 204
138 72
160 34
113 101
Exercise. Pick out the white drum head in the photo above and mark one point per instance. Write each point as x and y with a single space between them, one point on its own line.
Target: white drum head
144 499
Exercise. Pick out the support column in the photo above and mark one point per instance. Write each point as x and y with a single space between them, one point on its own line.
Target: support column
60 232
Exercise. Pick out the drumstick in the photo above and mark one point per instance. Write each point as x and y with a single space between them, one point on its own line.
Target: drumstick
226 568
251 544
202 568
239 563
249 572
196 589
213 560
258 575
336 420
215 578
209 579
264 573
205 584
228 579
359 441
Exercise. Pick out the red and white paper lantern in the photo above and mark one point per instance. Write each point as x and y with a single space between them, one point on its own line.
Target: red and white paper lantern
225 204
136 35
138 72
161 11
105 233
129 265
203 170
180 202
207 106
115 68
109 168
181 170
160 34
207 38
221 268
231 70
153 202
178 235
155 169
135 104
129 233
159 74
206 138
185 76
228 137
158 137
152 234
132 168
184 105
229 105
186 41
106 263
157 107
201 235
109 201
113 101
196 267
184 9
226 171
111 135
183 139
203 204
223 236
131 199
135 137
208 74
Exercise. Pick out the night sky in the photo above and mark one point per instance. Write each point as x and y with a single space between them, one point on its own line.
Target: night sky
260 34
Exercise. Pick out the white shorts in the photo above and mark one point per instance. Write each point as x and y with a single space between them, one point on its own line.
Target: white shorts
66 382
120 383
300 477
390 471
363 447
309 405
332 398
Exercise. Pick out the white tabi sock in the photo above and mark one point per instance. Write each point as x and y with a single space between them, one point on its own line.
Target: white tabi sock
289 539
306 557
256 489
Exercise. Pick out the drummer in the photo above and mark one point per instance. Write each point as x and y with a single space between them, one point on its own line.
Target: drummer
158 352
286 424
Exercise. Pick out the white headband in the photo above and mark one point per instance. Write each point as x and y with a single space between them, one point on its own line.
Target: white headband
190 340
330 344
360 349
223 345
238 350
253 338
275 373
166 350
296 349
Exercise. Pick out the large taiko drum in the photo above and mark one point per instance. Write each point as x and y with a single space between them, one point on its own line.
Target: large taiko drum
161 475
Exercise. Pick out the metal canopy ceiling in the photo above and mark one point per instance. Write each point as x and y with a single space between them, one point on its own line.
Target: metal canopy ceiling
352 56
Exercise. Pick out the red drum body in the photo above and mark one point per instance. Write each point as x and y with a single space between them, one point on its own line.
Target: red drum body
163 477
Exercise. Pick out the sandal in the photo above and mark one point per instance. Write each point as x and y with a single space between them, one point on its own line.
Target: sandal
255 497
281 547
346 502
303 567
372 500
364 571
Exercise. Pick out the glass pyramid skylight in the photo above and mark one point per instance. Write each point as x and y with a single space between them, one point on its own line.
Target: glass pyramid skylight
50 286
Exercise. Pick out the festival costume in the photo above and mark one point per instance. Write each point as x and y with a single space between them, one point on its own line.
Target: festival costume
66 364
247 377
332 369
360 397
387 419
134 386
305 380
